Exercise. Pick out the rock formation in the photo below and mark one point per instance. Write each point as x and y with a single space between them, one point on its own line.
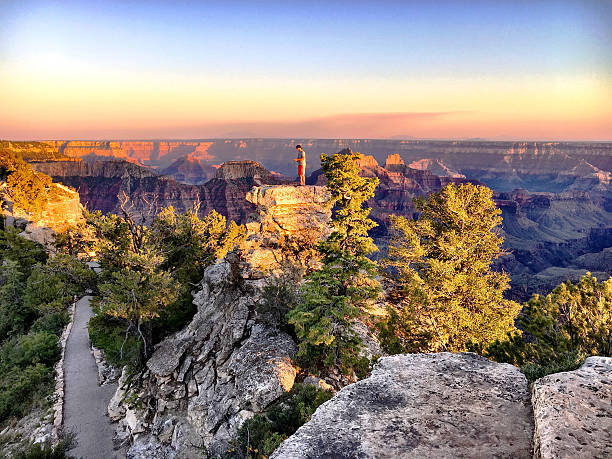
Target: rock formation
545 232
573 412
511 164
226 365
61 211
101 182
422 405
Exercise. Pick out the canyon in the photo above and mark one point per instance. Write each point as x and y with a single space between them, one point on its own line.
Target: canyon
555 198
536 166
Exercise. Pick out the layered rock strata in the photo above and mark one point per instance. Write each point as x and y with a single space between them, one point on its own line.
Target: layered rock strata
573 412
225 366
422 405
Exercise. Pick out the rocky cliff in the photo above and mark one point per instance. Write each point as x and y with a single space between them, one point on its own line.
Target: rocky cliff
537 166
100 183
226 365
60 211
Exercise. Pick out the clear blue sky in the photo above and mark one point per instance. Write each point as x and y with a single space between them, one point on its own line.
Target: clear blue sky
326 47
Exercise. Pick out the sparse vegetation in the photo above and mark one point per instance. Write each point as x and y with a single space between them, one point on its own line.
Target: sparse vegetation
259 436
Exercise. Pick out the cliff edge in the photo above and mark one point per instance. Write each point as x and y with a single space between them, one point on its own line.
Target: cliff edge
227 365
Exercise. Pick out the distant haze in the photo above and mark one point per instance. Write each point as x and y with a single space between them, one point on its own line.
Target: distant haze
372 69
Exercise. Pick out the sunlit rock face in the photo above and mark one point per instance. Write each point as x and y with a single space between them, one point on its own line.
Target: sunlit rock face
283 212
227 365
62 211
422 405
573 412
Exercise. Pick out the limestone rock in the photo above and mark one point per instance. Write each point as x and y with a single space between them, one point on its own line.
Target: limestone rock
116 410
282 212
422 405
221 369
573 412
62 211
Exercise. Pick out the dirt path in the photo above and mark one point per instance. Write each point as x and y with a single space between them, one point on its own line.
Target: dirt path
86 401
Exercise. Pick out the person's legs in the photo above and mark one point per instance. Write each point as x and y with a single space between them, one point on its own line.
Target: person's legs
302 175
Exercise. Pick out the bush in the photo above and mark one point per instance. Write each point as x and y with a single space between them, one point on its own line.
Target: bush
51 323
19 389
566 362
259 436
108 333
280 295
560 329
30 349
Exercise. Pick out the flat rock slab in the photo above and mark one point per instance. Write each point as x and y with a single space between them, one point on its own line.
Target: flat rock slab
573 412
423 405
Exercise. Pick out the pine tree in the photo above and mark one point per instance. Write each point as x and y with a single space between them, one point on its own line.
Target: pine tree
570 323
332 296
447 297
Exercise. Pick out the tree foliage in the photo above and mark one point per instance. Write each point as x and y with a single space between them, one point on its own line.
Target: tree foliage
561 328
149 270
35 292
446 296
259 436
332 296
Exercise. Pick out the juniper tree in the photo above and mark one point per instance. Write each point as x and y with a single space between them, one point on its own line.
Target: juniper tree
332 296
446 295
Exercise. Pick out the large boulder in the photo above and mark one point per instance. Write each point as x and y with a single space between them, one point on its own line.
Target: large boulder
573 412
422 405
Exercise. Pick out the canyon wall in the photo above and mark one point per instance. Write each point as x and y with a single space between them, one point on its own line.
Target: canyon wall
550 237
536 166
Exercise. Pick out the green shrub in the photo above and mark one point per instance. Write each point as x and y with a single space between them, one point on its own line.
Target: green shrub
20 388
280 295
51 323
259 436
560 329
30 349
108 333
25 252
565 362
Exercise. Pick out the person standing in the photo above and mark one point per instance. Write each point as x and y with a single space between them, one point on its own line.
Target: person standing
301 160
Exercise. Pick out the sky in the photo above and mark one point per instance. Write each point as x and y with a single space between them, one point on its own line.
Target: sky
524 70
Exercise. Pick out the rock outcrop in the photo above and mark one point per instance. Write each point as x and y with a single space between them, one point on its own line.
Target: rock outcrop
422 405
283 212
573 412
226 365
62 210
